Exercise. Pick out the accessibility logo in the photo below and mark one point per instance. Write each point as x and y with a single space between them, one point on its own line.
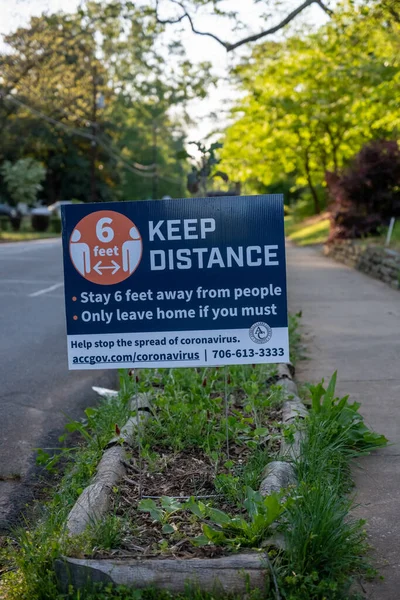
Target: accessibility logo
106 247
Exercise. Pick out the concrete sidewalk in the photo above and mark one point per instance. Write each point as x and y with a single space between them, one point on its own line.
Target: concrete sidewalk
351 323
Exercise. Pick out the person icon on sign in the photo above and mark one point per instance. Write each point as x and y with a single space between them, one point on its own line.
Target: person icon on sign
80 253
131 251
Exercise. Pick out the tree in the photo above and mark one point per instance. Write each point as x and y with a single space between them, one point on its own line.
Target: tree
72 83
52 80
23 179
312 102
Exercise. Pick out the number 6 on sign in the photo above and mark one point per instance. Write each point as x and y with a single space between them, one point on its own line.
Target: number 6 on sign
105 247
104 234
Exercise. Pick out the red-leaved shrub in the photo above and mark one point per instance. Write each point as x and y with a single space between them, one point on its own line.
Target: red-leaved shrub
367 193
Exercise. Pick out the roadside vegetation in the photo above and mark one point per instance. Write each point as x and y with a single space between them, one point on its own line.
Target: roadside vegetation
311 231
325 547
26 232
315 230
25 236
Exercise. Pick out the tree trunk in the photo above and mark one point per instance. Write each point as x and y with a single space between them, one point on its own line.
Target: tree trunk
317 206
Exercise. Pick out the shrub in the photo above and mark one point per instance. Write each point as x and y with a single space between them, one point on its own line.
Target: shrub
4 223
367 193
23 179
55 225
40 222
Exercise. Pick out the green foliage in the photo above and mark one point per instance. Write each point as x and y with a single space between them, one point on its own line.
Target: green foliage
110 592
169 507
325 545
105 534
308 232
91 98
238 532
37 547
219 527
202 174
189 412
23 179
343 421
312 101
305 205
233 485
5 224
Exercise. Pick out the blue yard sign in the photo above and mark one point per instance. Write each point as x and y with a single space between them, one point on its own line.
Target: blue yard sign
175 283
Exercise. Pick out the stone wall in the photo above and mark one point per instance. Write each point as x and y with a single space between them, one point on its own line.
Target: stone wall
381 263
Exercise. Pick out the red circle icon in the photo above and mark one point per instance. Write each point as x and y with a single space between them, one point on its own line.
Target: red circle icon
105 247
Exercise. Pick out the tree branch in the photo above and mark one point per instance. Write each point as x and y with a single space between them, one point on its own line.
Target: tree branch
325 8
251 38
186 15
394 14
170 21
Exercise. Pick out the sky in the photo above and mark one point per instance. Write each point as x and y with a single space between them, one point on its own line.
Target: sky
14 13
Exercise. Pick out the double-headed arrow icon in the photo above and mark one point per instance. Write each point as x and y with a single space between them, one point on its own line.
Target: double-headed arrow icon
99 269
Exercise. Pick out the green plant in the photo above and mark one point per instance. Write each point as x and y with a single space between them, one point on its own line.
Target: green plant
23 179
236 532
169 507
33 553
36 548
107 533
324 547
189 409
233 485
111 592
343 420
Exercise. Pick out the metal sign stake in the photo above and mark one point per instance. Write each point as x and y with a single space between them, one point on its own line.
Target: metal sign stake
226 411
138 435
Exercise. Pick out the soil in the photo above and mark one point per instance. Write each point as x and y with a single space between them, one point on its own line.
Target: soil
180 475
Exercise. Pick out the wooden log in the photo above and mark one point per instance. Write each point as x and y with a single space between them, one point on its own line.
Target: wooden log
291 451
230 574
276 476
288 385
285 370
128 433
293 409
94 502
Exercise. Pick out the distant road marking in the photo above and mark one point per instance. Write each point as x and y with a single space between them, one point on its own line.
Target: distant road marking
25 281
45 290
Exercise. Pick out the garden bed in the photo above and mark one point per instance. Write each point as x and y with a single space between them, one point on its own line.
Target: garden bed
200 463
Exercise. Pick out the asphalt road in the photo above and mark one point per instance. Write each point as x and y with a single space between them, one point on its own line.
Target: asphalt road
38 394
